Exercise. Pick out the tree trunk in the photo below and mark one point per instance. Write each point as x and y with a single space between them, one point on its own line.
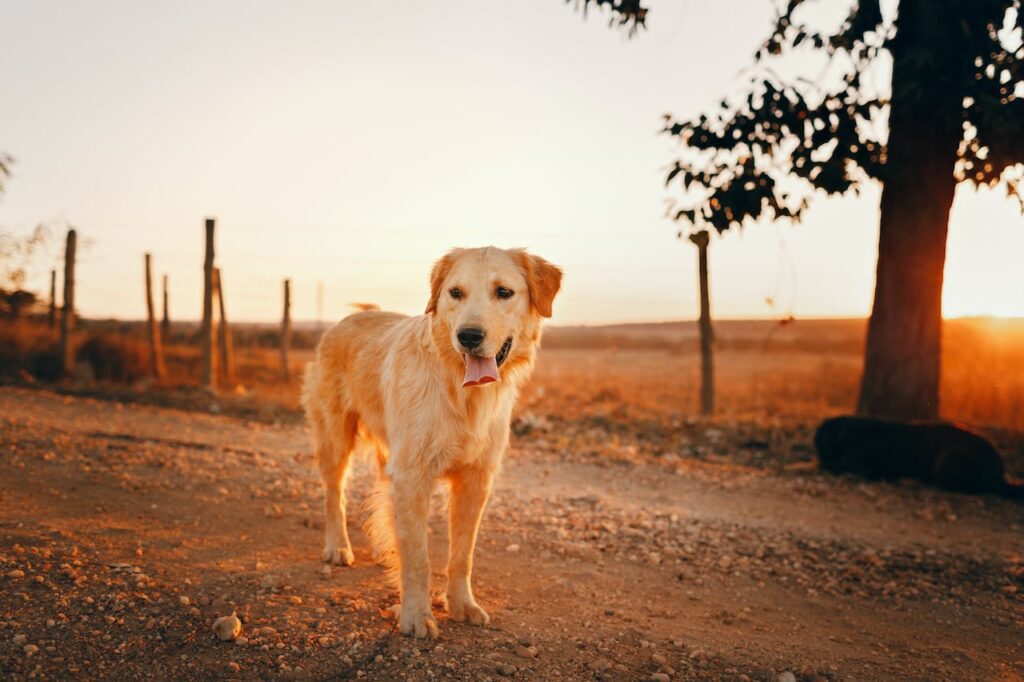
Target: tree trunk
707 367
902 356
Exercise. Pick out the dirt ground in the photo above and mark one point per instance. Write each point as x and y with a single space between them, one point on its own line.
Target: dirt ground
126 529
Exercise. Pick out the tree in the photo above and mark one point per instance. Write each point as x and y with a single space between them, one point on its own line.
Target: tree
16 257
952 112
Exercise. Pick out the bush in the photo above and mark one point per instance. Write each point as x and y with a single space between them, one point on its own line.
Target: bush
27 347
114 358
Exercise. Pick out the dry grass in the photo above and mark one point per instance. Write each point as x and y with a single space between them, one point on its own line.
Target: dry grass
635 374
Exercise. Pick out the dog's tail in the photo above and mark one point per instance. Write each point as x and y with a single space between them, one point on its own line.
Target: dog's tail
380 528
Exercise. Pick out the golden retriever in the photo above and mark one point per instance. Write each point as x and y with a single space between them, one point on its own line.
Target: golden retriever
433 394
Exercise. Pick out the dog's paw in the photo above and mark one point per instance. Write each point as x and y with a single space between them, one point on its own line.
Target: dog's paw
339 556
418 623
467 611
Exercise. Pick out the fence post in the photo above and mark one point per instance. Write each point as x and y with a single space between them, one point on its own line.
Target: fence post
67 318
165 323
156 352
52 320
207 331
707 372
286 330
227 360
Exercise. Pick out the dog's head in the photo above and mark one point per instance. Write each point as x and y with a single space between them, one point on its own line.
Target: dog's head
487 304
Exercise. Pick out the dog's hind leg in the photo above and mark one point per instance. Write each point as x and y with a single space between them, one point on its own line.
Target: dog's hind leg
334 446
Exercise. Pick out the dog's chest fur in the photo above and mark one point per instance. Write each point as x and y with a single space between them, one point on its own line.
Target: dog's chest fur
440 425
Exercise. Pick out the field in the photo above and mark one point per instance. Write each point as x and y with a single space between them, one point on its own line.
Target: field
628 537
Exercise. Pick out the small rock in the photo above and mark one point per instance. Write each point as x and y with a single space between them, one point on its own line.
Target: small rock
295 599
526 652
234 667
30 649
600 665
658 677
16 573
506 670
242 641
512 549
227 627
19 640
184 601
785 677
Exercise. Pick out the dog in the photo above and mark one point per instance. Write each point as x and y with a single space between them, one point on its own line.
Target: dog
937 453
433 396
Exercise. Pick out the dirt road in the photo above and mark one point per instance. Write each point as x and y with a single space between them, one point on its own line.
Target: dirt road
125 529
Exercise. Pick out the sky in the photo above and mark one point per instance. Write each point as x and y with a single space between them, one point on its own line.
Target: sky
350 144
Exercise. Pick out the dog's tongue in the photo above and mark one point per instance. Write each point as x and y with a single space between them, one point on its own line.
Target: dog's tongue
480 371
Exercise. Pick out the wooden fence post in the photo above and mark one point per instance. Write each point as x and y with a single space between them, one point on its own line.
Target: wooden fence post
707 371
52 320
286 330
207 331
165 323
227 360
156 351
67 318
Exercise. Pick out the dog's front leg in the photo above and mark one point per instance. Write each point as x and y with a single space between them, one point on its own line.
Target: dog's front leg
411 507
470 488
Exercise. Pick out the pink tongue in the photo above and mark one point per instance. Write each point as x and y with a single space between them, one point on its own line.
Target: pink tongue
480 371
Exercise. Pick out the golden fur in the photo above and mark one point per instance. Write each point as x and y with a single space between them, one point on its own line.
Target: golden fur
394 383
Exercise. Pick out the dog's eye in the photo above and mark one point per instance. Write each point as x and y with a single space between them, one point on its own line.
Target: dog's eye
502 292
455 293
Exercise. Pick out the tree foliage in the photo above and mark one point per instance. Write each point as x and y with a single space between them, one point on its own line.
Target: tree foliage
765 153
628 14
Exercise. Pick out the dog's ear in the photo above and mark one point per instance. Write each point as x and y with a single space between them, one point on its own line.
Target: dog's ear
437 276
543 279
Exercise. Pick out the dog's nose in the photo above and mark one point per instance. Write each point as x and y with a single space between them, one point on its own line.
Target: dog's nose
471 337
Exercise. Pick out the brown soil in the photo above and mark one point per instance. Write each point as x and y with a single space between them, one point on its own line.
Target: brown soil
126 529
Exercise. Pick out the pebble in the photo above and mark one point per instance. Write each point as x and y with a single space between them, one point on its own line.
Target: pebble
30 649
16 573
295 599
227 628
512 549
785 677
184 601
526 652
506 670
19 640
234 667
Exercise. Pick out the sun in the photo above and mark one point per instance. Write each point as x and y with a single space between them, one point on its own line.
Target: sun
984 270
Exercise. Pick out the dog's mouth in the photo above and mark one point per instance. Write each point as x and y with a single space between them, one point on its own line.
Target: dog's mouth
503 351
484 370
